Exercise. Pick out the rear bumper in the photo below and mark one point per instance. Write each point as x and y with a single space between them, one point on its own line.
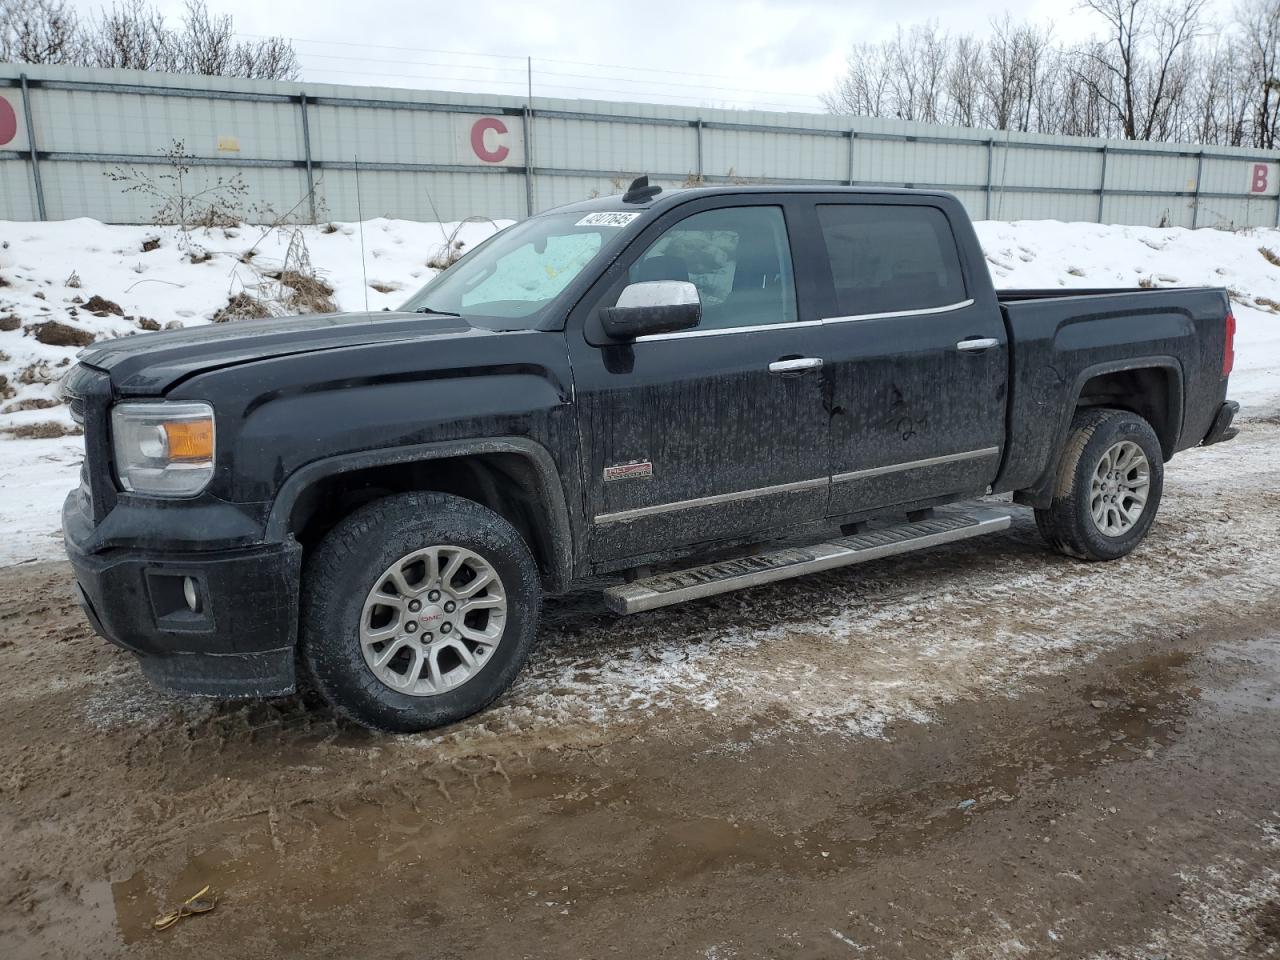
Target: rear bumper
238 642
1222 428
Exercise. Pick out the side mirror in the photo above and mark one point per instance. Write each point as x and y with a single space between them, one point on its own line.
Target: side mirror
653 306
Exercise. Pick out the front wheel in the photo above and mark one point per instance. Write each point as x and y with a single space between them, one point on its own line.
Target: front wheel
417 611
1108 486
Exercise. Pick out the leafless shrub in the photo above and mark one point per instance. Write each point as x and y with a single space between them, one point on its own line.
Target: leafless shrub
298 288
73 281
181 200
450 252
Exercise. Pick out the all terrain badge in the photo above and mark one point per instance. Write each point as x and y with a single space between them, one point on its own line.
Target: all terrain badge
635 470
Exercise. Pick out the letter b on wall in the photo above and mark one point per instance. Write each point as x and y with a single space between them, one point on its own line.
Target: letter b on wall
1259 179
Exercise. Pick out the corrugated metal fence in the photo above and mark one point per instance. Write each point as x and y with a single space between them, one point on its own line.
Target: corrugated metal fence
318 151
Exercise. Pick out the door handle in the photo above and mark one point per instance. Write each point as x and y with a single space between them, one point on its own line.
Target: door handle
798 365
977 343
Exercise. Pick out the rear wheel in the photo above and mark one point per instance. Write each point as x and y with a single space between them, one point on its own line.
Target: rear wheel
418 610
1108 486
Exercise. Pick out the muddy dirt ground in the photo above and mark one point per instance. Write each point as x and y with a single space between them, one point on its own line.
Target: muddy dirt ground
985 751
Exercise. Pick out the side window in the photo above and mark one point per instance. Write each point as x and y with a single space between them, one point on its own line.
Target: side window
739 260
886 258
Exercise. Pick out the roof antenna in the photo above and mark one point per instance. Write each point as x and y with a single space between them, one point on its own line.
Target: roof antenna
640 191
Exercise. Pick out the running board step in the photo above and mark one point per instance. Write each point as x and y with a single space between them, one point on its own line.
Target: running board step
945 526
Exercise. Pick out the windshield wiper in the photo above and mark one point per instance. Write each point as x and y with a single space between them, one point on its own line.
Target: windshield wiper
439 313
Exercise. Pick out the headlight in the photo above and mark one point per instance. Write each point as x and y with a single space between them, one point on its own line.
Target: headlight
165 449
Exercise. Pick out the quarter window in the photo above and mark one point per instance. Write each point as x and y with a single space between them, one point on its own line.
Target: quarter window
737 257
886 258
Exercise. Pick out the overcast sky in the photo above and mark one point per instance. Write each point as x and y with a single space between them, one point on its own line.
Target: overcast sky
768 54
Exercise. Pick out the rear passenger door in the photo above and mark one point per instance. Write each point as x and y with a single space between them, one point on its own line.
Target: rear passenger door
917 370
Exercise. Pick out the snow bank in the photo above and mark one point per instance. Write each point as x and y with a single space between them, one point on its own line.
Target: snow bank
1048 253
52 272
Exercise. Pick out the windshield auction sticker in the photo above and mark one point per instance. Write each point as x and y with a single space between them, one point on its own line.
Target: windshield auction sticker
606 219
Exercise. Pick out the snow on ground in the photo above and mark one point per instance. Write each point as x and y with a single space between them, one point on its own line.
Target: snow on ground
49 270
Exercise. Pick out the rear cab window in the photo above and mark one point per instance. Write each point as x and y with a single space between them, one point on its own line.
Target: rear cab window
889 258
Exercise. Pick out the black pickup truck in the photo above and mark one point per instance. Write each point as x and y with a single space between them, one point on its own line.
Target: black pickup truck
660 387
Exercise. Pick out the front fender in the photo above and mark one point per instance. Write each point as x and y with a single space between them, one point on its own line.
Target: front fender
550 489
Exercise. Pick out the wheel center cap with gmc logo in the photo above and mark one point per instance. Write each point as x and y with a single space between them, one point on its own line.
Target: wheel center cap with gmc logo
431 615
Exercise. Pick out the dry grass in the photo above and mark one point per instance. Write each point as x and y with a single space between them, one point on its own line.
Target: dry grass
1270 256
44 430
1267 303
305 293
32 403
1147 283
242 306
1075 271
383 287
41 372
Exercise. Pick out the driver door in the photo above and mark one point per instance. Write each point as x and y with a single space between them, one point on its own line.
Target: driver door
713 433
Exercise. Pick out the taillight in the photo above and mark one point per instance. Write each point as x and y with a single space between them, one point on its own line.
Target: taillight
1229 348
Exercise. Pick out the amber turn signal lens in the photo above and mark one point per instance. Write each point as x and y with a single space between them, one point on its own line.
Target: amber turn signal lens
190 439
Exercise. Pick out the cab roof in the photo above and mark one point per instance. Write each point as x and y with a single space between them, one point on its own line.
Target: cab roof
667 198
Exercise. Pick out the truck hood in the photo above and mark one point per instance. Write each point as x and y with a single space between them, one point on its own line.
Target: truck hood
148 364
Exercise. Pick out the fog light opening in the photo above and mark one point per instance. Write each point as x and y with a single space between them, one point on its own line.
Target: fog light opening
190 594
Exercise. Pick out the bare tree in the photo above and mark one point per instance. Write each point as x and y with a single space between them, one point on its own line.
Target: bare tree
1143 58
39 31
1259 26
1160 70
133 35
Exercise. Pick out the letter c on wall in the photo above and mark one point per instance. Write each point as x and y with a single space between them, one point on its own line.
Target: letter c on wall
499 152
8 122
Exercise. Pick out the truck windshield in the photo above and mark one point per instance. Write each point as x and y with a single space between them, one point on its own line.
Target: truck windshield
506 282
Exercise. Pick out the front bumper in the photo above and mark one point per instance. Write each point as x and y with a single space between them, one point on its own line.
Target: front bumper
1222 428
240 640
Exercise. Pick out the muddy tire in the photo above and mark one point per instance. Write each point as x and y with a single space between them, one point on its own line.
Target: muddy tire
1108 486
417 610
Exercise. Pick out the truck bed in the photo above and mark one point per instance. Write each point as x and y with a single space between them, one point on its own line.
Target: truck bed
1062 339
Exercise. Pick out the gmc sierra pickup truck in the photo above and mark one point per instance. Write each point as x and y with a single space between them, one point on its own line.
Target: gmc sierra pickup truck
661 387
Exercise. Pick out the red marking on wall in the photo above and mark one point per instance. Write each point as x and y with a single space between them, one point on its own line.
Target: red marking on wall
1259 182
499 151
8 121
